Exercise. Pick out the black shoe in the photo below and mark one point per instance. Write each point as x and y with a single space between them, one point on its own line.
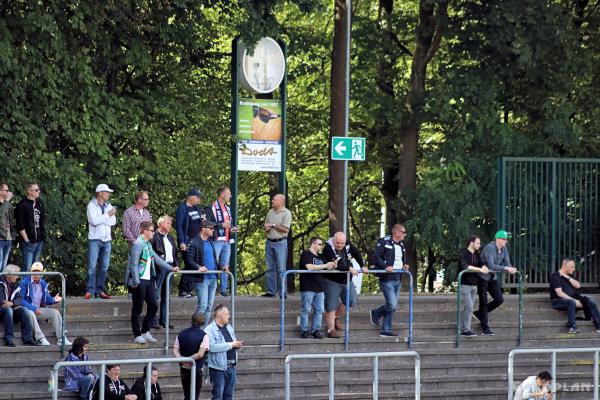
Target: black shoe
10 343
30 343
476 316
468 334
317 335
225 294
573 330
487 332
388 334
305 335
171 326
155 326
268 295
372 320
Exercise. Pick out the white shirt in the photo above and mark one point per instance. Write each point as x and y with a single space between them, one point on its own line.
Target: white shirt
168 249
146 275
100 223
527 388
398 261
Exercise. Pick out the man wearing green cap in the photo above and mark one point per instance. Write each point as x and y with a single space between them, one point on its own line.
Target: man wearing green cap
495 256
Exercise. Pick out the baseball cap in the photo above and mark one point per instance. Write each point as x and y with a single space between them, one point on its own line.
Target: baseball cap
103 187
195 192
207 224
503 235
37 266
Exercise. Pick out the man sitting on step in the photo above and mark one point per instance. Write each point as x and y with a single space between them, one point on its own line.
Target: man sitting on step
565 296
535 388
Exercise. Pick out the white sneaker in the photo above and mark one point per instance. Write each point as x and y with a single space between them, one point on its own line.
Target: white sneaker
139 340
148 337
67 342
44 342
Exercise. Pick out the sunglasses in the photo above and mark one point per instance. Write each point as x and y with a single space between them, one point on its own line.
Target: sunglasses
263 114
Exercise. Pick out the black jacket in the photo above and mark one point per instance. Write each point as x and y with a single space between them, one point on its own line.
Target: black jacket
348 253
159 246
466 258
194 257
10 292
24 218
385 255
112 390
139 389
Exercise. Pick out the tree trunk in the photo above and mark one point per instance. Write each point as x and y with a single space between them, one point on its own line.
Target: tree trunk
337 117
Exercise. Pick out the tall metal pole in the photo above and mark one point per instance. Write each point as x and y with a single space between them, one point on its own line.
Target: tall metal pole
346 114
235 102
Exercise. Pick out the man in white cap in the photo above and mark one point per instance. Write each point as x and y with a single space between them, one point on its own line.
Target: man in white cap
37 299
101 218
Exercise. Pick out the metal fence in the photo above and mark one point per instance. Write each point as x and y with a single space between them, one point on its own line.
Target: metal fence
168 299
553 352
104 363
552 208
375 356
63 305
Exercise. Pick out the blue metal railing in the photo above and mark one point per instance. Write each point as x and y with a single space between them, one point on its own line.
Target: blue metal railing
347 314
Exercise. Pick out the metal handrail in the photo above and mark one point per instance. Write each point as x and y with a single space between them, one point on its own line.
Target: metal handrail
347 316
63 307
104 363
512 354
168 299
521 306
374 355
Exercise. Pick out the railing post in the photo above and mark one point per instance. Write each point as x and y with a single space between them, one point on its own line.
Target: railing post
288 376
148 380
55 383
193 382
457 342
347 317
510 375
375 378
554 375
521 311
63 306
410 309
102 379
417 376
596 372
282 309
331 378
168 307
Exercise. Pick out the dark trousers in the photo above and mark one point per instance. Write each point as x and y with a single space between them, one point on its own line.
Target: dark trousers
590 309
186 379
143 292
493 288
186 284
10 315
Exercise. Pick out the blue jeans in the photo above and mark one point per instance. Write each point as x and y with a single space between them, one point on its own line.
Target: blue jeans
10 315
31 254
84 384
205 291
276 253
590 309
223 383
312 301
5 246
390 290
222 252
98 255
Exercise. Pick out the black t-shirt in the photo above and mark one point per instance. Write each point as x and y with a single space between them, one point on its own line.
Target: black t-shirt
228 339
558 281
465 259
310 282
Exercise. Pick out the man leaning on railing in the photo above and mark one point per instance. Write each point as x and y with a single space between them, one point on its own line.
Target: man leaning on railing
469 259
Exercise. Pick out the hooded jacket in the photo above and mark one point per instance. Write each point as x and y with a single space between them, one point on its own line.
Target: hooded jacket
9 292
139 389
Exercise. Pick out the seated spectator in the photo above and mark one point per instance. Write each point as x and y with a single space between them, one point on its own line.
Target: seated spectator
565 296
79 378
139 387
114 388
36 298
11 310
535 388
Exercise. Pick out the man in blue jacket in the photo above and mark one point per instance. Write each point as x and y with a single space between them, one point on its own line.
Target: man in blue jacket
389 256
36 298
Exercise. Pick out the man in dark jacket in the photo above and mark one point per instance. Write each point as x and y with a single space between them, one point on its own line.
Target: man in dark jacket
347 259
192 342
11 310
164 246
29 216
114 387
389 256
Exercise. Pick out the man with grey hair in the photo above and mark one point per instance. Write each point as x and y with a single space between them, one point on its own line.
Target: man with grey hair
11 310
165 247
7 224
277 226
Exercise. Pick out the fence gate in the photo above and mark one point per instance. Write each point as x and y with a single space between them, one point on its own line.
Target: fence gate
551 206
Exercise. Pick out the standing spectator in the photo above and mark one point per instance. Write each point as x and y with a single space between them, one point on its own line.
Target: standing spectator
565 296
535 387
101 218
192 342
188 217
311 288
164 246
469 259
11 310
201 256
222 356
220 213
389 256
114 388
141 277
139 386
495 256
30 217
79 379
36 298
134 215
347 259
7 224
277 225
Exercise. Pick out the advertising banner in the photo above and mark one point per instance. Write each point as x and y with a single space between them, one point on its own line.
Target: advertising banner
260 135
